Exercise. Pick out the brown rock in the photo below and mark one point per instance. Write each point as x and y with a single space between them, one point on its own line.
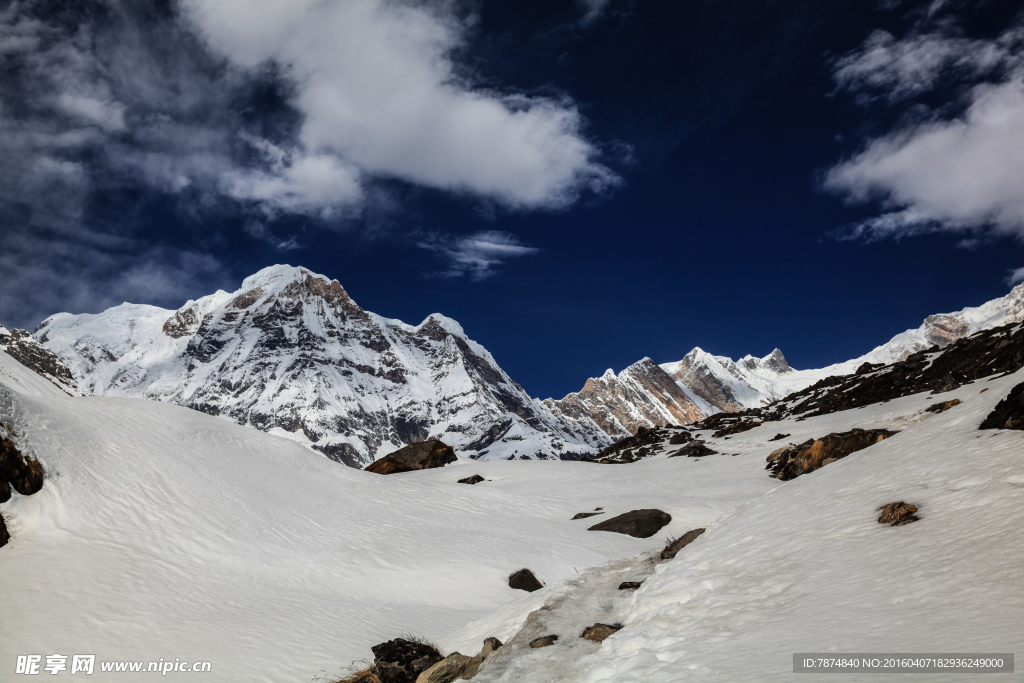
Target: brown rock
636 523
778 437
697 449
25 474
417 456
584 515
673 548
1008 413
898 513
598 632
524 580
736 428
475 479
452 667
543 641
792 461
942 407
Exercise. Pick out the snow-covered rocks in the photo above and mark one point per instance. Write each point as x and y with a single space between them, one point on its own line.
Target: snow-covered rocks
25 349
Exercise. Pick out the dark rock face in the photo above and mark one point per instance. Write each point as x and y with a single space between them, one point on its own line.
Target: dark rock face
1008 413
543 641
636 523
673 548
584 515
475 479
24 474
5 490
630 585
645 443
792 461
417 456
779 437
680 438
598 632
897 514
524 580
402 661
4 535
27 350
696 449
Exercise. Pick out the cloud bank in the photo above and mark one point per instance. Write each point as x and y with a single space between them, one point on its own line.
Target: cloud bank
478 255
962 173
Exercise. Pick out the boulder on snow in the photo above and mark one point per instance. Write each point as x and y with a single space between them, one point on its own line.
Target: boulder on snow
673 548
630 585
636 523
736 428
598 632
696 449
475 479
584 515
457 666
898 513
543 641
942 407
779 437
5 536
402 661
792 461
416 456
680 438
524 580
25 474
1008 413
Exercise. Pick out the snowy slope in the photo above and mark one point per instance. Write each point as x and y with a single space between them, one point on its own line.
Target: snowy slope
290 353
165 532
806 567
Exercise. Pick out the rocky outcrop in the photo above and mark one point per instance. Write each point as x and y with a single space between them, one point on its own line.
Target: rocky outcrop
694 449
943 406
673 548
792 461
636 523
24 474
543 641
584 515
458 666
1008 413
402 661
5 536
26 349
897 514
417 456
524 580
646 442
475 479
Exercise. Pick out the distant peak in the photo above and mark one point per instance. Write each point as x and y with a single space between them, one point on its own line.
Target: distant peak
608 374
280 273
776 361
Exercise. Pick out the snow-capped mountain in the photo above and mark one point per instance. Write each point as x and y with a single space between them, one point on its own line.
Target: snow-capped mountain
640 396
292 354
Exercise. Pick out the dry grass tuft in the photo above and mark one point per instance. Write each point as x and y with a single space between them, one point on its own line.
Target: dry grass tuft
898 513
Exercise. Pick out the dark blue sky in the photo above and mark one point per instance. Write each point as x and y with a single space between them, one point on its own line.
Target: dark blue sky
720 120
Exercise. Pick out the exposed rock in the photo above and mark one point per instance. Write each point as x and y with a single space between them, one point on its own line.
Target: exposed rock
942 407
898 514
696 449
25 474
27 350
680 438
5 536
673 548
868 367
402 661
792 461
5 490
584 515
1008 413
490 645
417 456
645 443
524 580
736 428
450 668
636 523
630 585
543 641
598 632
475 479
779 437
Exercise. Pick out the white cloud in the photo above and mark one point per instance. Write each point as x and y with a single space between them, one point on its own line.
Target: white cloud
956 174
379 92
592 9
1015 277
477 255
